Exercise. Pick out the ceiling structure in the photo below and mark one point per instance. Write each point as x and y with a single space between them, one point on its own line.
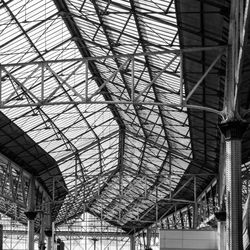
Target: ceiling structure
124 96
20 159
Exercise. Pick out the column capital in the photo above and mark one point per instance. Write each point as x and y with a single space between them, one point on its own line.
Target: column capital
221 216
48 232
31 215
233 129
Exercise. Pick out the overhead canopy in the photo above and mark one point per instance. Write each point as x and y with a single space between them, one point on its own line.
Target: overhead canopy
99 86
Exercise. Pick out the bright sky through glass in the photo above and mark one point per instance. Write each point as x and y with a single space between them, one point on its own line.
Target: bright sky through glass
104 150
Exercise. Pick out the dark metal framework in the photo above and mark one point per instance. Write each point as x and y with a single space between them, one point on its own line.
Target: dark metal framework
125 96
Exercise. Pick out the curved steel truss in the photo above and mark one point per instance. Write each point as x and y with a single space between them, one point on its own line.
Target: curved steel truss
126 97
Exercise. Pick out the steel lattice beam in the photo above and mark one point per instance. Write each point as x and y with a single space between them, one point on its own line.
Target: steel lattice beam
36 96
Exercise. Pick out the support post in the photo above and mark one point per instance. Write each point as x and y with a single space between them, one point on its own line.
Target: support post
31 214
53 235
1 237
233 131
220 215
94 241
132 242
42 234
48 233
49 245
31 233
48 226
221 235
148 242
195 213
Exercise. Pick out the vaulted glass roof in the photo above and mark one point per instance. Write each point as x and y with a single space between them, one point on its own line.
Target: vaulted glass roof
98 85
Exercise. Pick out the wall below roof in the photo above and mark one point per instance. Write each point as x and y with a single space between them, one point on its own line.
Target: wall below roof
188 239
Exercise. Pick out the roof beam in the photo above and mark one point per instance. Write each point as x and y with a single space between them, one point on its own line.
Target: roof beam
76 35
144 48
102 21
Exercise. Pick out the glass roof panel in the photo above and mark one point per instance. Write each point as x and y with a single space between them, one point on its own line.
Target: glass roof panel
109 126
59 129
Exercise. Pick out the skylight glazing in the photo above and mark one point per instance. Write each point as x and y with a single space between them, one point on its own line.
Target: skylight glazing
131 130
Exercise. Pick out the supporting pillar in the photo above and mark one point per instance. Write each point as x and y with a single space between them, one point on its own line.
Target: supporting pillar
31 234
1 237
221 227
42 233
48 233
31 215
49 245
195 207
221 213
221 235
148 242
53 235
233 131
132 242
94 241
48 225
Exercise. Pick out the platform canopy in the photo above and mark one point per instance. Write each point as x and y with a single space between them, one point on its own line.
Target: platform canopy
124 95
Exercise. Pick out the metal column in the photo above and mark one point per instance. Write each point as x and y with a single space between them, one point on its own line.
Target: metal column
31 214
31 234
48 234
233 131
132 242
233 127
95 240
221 235
1 237
49 247
42 234
53 235
195 206
148 242
48 225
